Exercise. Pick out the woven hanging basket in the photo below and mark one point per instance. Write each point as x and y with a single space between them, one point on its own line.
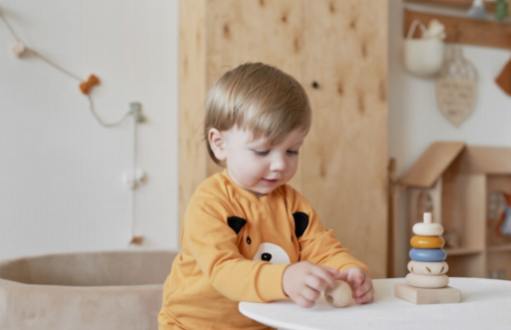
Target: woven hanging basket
456 87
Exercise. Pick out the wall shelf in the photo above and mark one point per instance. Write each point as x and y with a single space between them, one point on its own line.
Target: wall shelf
499 248
462 251
464 30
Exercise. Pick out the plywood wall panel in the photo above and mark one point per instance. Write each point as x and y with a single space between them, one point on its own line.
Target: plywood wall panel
340 48
192 91
253 31
344 161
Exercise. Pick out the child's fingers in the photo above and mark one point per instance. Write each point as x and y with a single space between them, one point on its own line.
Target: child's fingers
310 294
337 274
366 298
356 277
324 277
363 289
316 282
302 301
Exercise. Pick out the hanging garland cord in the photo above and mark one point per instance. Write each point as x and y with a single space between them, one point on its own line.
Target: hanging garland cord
135 111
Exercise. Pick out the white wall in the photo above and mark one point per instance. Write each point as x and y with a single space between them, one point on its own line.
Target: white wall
415 121
60 172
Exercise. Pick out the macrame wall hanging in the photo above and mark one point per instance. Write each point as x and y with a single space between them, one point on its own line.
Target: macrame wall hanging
456 86
134 177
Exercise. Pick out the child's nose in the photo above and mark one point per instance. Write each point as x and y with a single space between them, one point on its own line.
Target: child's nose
278 162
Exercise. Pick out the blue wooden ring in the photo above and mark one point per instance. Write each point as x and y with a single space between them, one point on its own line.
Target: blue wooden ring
428 254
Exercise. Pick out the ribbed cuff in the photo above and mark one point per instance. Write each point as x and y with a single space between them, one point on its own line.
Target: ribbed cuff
269 284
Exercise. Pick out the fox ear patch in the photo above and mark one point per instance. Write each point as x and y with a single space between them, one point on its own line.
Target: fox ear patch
236 223
301 223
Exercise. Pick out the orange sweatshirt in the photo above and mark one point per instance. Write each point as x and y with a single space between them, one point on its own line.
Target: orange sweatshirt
235 247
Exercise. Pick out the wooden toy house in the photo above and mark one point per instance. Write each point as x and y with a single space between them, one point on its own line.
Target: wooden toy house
464 187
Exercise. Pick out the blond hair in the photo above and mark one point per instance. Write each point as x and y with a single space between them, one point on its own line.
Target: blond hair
259 98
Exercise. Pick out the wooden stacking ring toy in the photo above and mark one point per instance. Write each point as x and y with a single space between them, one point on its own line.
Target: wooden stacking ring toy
427 281
427 242
428 268
428 229
427 254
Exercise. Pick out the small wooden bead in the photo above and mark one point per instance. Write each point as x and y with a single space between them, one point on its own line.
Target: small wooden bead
19 49
340 295
427 281
434 255
427 242
428 268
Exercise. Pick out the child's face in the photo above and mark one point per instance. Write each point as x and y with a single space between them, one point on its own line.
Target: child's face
255 164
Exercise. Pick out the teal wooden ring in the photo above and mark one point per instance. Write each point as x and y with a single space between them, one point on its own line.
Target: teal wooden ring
428 254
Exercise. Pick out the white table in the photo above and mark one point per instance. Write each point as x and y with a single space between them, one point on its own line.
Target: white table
486 305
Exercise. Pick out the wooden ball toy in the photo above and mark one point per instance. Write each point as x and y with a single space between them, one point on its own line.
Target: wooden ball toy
427 242
340 295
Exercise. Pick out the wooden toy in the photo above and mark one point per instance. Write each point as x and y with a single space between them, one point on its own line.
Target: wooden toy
421 296
340 295
427 254
87 85
428 228
429 268
427 281
427 242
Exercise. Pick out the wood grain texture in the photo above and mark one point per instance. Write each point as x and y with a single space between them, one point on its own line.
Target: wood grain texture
344 159
192 92
431 164
341 45
421 296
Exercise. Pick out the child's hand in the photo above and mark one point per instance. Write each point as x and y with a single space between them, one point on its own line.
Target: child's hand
361 284
303 282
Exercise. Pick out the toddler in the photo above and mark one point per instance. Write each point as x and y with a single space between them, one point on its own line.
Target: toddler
248 235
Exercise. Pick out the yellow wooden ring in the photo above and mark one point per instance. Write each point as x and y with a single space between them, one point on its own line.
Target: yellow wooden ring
427 242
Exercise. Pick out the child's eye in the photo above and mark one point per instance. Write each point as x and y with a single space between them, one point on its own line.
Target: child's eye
261 152
293 152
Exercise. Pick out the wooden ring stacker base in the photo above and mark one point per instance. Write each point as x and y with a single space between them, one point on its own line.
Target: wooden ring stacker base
428 268
427 281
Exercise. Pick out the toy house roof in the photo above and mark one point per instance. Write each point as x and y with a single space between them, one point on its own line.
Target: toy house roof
432 164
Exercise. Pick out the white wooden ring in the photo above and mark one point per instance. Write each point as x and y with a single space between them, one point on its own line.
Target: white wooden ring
427 281
428 268
428 229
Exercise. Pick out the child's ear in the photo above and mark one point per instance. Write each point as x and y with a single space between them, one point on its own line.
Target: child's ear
216 142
